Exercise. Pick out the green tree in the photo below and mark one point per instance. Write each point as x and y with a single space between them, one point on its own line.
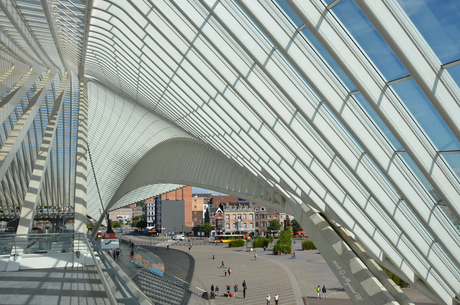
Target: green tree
274 225
296 226
207 228
284 242
271 238
116 225
141 224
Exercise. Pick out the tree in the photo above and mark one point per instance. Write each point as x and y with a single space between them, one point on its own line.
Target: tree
141 224
274 225
284 242
271 238
116 225
207 228
296 226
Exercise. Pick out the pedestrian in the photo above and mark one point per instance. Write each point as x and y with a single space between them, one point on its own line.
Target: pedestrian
213 255
265 248
217 291
229 271
212 291
235 290
293 254
318 290
324 292
132 253
228 290
167 247
244 288
255 256
156 248
277 298
110 252
225 271
268 298
223 264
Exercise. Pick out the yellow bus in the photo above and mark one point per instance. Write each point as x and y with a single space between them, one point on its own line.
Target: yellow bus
228 238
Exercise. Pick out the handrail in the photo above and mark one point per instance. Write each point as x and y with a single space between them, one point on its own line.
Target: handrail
110 295
128 296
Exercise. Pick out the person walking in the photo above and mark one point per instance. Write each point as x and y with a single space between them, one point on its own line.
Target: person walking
318 290
217 291
212 291
235 290
268 298
213 255
225 271
277 298
324 292
244 288
255 256
228 290
293 253
229 271
223 264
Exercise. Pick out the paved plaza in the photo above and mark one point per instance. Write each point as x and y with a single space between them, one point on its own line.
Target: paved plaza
294 280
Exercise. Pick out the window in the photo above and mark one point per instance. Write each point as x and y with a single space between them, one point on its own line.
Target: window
227 217
234 226
227 226
251 225
244 216
239 216
275 216
251 216
234 216
250 209
257 216
226 209
239 208
269 216
212 222
244 226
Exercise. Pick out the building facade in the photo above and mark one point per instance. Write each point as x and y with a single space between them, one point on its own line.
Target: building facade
239 216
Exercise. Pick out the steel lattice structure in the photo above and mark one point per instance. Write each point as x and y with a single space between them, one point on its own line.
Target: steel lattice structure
345 108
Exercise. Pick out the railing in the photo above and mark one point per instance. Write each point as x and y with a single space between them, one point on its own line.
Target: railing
104 265
16 244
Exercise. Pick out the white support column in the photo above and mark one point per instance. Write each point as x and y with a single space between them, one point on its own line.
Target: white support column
81 176
35 184
12 144
9 102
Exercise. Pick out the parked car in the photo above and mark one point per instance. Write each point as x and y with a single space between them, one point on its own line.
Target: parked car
179 237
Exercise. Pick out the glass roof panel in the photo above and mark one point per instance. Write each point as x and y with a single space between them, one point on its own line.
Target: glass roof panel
313 41
455 73
378 121
453 159
426 115
362 30
439 24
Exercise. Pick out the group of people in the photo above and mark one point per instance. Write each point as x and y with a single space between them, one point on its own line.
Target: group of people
215 291
115 253
269 298
320 290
